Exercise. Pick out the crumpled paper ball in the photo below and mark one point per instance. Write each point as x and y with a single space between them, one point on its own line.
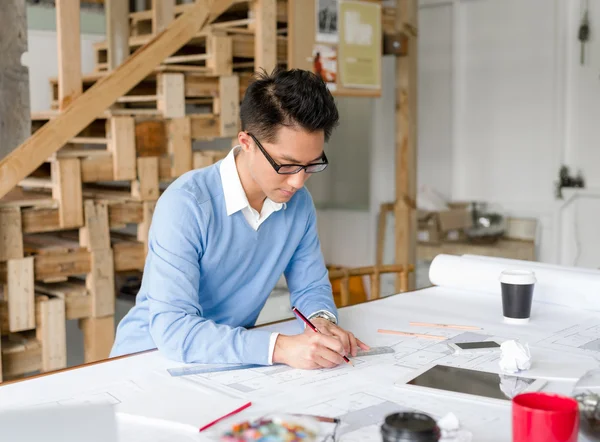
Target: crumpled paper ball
451 430
515 357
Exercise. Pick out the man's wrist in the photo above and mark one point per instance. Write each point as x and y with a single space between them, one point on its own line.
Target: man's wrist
325 314
279 349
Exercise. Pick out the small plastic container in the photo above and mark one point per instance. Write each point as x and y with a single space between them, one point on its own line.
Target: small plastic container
410 427
272 427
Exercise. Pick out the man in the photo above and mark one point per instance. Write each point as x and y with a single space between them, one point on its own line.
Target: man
221 237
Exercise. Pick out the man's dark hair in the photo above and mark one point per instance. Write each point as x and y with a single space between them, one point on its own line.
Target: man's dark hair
292 98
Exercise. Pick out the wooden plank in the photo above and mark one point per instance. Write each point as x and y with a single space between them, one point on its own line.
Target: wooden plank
15 110
19 358
98 337
121 133
163 12
265 46
171 94
301 28
150 138
128 256
229 104
66 188
87 140
146 187
55 266
51 332
125 213
117 32
205 127
18 197
406 142
73 292
101 283
19 292
69 51
11 235
95 235
58 131
220 51
94 169
179 145
201 86
36 220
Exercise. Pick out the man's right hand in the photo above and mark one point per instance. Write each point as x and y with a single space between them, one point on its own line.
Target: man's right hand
308 351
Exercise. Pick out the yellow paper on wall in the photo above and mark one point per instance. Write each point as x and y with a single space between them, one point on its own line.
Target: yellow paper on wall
360 44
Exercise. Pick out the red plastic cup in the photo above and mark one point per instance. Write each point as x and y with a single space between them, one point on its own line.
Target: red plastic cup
544 417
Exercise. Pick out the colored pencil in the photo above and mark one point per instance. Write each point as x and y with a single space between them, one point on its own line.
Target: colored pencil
416 335
242 408
458 327
313 328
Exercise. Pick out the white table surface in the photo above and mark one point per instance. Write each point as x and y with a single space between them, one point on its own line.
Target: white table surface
342 388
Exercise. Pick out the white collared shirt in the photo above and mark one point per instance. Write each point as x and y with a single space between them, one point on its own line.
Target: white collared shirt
236 200
235 197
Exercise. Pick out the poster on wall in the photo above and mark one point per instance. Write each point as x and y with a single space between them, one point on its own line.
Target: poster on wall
325 64
327 21
360 44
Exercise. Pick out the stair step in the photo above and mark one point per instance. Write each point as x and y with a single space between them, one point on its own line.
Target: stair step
89 140
137 99
36 183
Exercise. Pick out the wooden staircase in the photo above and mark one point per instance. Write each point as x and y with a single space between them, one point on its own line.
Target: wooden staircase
77 197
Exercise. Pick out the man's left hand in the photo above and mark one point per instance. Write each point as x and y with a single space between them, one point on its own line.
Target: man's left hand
349 341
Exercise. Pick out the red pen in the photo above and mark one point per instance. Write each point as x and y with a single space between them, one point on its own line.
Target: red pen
313 328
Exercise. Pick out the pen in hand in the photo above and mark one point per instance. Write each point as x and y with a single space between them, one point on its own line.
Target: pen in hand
313 328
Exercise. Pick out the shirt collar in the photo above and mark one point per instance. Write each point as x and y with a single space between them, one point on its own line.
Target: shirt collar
233 192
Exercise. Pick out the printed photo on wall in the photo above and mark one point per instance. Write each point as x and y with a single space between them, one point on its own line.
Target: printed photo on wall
325 64
327 21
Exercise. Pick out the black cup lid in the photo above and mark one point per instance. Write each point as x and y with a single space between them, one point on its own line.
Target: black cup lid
417 426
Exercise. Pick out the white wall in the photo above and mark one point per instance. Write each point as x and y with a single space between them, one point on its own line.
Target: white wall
41 58
508 89
503 102
578 240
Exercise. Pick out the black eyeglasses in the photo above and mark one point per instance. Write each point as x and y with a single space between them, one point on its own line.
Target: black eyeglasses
290 169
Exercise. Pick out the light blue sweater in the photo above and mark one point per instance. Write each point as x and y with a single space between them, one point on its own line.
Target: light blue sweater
208 275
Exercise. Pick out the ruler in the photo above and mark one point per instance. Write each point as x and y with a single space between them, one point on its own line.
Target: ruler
200 369
375 351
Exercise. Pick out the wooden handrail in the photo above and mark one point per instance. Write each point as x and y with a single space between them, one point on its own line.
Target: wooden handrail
83 110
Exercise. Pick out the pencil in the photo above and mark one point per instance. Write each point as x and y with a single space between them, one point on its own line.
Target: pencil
313 328
329 420
416 335
458 327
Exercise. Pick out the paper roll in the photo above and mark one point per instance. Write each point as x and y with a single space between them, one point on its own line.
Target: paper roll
555 285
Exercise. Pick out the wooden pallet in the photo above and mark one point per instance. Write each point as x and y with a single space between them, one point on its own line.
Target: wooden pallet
217 52
45 349
144 22
171 94
141 151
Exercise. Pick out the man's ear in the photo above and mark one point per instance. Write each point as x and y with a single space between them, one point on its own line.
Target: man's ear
245 141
